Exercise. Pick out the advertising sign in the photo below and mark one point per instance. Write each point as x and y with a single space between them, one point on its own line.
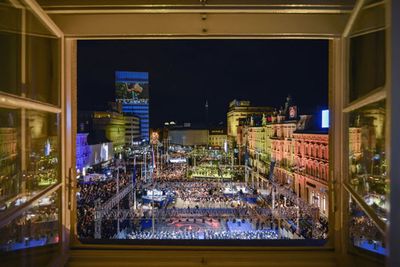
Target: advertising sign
132 87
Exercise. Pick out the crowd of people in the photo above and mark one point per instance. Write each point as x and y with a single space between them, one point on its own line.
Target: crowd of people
214 171
90 194
362 228
173 172
288 206
242 235
204 235
203 199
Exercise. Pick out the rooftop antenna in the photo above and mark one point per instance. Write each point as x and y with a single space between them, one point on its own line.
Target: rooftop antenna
206 112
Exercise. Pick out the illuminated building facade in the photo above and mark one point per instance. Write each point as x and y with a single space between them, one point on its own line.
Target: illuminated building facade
132 130
217 138
288 145
132 90
113 125
188 137
82 151
92 149
9 182
140 110
282 150
241 138
311 167
241 110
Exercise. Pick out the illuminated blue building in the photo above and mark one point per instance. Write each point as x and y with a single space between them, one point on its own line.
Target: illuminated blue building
132 90
140 110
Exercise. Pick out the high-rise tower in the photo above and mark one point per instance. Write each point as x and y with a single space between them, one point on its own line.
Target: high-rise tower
132 89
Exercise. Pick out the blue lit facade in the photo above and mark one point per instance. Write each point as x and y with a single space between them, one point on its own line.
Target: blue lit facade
140 110
132 90
83 151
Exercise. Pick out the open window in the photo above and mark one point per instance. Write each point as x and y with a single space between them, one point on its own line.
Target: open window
31 148
134 188
38 124
367 141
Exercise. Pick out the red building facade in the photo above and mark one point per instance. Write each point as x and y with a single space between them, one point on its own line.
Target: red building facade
311 168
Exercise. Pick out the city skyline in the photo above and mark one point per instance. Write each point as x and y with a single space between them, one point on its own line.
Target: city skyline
215 73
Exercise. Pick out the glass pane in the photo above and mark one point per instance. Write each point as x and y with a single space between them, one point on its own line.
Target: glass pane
37 226
371 17
10 49
31 238
29 155
367 2
363 232
367 158
42 81
36 75
367 64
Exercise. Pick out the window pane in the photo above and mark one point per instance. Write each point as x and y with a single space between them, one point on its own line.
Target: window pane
370 18
363 232
38 226
367 64
42 81
29 155
10 47
367 2
367 158
36 75
31 239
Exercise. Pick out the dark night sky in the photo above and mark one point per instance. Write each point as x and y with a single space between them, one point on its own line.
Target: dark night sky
184 73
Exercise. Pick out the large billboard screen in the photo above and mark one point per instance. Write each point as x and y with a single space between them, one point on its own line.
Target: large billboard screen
132 86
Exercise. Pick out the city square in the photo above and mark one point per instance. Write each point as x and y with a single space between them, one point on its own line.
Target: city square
199 133
167 204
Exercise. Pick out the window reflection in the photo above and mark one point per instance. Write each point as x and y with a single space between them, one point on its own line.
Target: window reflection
368 164
29 155
37 76
38 226
363 232
42 70
367 63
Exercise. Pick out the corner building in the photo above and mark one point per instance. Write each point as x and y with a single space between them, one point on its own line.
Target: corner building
293 149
